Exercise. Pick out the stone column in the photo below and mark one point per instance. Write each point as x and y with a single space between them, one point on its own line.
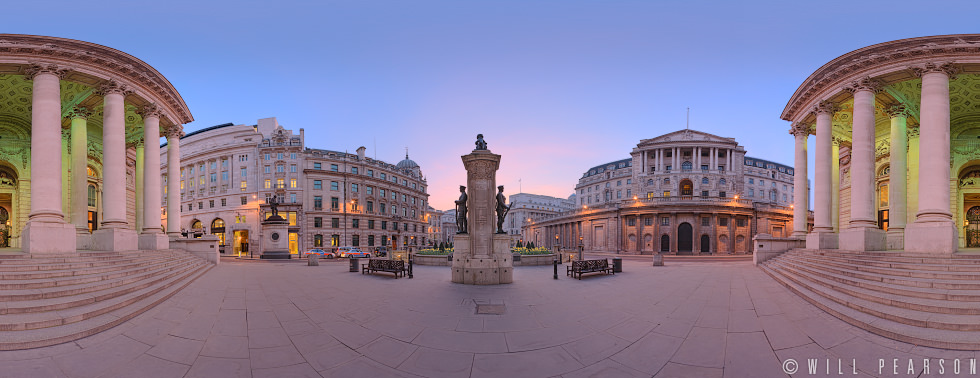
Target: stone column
114 234
46 230
898 180
79 172
481 256
730 169
863 233
933 230
697 159
173 180
152 236
800 132
823 236
713 160
835 184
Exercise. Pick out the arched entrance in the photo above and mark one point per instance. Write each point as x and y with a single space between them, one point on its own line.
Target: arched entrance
687 187
8 193
685 238
218 229
973 227
665 243
705 244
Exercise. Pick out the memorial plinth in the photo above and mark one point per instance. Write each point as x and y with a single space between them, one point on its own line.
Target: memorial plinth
482 257
275 243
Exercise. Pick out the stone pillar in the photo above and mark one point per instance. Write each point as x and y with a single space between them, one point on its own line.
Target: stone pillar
800 132
114 234
898 180
173 180
713 160
482 257
863 233
823 236
79 173
912 191
46 230
151 235
835 184
934 230
675 159
731 161
697 159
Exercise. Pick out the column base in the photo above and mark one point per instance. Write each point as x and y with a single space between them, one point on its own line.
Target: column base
931 237
83 239
48 237
863 239
896 239
156 241
114 239
822 240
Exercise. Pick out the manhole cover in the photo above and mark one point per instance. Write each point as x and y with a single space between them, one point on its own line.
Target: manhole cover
490 309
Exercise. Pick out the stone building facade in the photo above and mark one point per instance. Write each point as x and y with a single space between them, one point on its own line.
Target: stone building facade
682 192
330 198
526 206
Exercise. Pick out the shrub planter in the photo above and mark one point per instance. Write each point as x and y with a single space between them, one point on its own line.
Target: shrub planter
432 260
529 260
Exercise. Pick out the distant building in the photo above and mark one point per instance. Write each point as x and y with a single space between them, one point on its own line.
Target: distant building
433 219
449 225
526 206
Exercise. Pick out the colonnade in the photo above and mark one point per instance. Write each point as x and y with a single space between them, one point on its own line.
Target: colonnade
933 229
661 161
47 230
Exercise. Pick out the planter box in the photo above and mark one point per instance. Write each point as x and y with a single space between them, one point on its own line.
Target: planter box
433 260
529 260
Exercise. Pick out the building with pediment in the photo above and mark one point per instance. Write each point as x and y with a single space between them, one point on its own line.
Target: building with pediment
686 192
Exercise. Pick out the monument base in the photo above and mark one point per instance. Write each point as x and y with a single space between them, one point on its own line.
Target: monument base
156 241
275 232
43 237
863 239
821 240
931 237
114 239
493 267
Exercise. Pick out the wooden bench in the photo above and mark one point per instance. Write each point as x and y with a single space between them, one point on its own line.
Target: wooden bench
580 267
383 265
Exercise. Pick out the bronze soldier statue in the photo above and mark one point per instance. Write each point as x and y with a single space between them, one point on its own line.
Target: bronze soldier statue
461 211
502 209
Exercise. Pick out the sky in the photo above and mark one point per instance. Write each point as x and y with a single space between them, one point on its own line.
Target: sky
556 87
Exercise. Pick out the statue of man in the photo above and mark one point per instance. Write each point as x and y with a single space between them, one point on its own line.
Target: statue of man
274 206
502 209
480 143
461 211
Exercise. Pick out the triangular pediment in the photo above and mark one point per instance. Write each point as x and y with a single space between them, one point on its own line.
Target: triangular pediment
686 135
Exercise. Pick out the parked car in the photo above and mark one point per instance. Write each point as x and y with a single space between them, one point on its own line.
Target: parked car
352 252
322 253
381 251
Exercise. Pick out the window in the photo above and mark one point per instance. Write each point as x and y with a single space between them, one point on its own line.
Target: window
629 181
268 169
334 240
723 222
704 167
292 155
280 183
279 155
384 225
214 177
666 193
244 200
335 222
292 183
370 240
721 194
280 168
668 168
224 202
383 176
665 221
648 221
370 224
721 182
704 193
355 240
292 197
370 206
318 222
292 167
686 166
762 182
370 173
266 157
381 208
631 221
317 184
317 202
751 192
317 166
202 180
190 206
318 240
619 182
242 157
705 221
628 193
333 167
334 203
355 223
784 198
751 181
353 188
382 191
667 181
739 222
353 170
394 225
619 194
370 190
704 181
268 183
334 185
200 205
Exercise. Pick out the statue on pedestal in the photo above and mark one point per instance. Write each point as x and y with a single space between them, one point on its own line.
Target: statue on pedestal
461 211
480 143
502 209
274 206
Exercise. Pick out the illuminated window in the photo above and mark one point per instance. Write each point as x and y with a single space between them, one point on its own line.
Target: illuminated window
268 184
666 193
292 183
244 186
280 183
92 195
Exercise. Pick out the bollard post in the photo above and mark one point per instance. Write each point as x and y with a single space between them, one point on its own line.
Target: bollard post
410 264
555 263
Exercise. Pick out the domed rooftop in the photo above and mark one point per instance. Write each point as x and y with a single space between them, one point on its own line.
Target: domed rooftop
407 163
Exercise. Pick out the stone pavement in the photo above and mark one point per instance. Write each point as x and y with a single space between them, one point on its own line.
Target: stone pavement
266 319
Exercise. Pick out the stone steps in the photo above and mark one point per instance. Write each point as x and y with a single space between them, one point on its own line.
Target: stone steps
61 299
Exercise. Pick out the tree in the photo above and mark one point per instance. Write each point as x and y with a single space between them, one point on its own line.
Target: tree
530 245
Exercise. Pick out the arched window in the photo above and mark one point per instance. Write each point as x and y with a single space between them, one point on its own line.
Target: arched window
686 166
197 224
704 181
667 181
721 181
92 193
650 182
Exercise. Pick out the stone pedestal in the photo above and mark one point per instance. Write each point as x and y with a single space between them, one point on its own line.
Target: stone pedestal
114 239
931 237
863 239
895 239
482 257
821 240
275 238
154 241
48 237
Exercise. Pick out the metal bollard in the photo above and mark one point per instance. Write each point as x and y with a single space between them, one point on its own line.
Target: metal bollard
555 263
411 263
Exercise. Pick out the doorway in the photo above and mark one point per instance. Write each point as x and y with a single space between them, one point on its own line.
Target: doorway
973 227
240 242
685 238
665 243
705 244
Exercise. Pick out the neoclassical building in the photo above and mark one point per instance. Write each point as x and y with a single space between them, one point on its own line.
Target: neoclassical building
684 192
228 174
74 117
897 158
525 207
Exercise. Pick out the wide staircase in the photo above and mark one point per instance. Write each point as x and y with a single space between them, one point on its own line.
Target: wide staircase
52 299
917 298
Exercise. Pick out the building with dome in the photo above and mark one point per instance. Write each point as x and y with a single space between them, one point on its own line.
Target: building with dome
686 192
330 198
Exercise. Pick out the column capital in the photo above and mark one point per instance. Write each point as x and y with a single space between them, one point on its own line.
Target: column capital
942 67
865 84
34 69
898 111
827 107
79 112
174 131
837 141
151 110
912 132
135 141
113 87
799 128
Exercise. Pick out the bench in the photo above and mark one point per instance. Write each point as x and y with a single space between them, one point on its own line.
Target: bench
383 265
580 267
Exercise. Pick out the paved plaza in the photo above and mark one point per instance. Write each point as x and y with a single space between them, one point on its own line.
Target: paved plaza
285 319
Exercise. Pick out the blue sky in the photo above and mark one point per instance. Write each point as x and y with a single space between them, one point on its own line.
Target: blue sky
555 86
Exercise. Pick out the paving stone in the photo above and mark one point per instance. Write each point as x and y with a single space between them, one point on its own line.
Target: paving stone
261 319
226 347
147 366
388 351
350 334
650 353
267 337
101 358
313 341
210 367
263 358
462 341
595 348
32 368
632 330
363 368
703 347
328 358
543 337
782 333
748 354
605 369
428 362
675 370
177 349
537 363
292 371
